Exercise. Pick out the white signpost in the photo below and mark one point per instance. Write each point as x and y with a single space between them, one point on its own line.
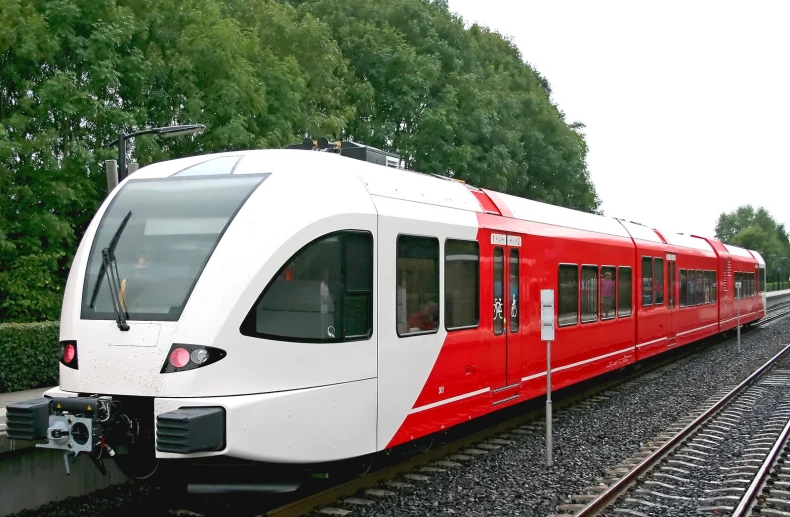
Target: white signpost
738 302
547 335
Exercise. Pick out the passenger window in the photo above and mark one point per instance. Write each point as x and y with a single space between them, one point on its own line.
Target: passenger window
624 291
499 279
691 283
513 306
417 282
706 279
684 286
589 294
608 302
736 291
568 295
461 284
762 279
658 281
700 287
714 286
647 281
323 294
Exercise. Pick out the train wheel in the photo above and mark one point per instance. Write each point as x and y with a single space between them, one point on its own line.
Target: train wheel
354 467
418 446
364 464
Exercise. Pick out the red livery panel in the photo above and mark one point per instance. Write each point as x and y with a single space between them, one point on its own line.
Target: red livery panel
618 298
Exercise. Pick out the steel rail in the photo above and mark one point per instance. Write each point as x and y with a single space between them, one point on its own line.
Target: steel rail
606 498
749 498
769 317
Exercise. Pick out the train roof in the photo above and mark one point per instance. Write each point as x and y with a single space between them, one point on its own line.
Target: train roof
687 241
417 187
535 211
738 251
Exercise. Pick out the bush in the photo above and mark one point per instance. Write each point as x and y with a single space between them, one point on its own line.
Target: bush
28 355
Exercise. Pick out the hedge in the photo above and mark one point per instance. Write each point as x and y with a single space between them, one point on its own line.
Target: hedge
28 355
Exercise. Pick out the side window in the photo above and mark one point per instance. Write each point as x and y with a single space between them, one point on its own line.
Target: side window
706 279
624 291
684 288
647 281
608 276
568 295
589 294
691 283
515 301
461 284
417 280
323 294
714 286
658 281
762 279
700 286
735 291
499 280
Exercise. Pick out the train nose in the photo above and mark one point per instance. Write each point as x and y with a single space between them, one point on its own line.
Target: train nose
123 363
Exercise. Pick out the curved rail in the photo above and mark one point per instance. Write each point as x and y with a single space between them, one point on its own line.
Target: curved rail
606 498
749 498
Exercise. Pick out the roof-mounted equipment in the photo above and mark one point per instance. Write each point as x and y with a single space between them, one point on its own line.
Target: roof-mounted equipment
351 149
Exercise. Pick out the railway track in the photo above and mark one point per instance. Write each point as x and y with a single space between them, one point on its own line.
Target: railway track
384 483
726 460
769 491
775 313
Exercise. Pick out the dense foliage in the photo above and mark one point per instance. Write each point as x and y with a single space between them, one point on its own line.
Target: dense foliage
757 230
403 75
29 357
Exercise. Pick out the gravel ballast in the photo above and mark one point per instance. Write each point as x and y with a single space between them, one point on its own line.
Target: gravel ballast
513 479
710 471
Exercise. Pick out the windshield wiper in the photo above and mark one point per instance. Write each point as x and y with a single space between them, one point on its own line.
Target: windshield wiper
108 263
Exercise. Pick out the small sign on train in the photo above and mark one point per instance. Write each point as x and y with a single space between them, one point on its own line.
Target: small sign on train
547 314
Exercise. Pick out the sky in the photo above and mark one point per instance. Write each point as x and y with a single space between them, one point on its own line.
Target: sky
686 104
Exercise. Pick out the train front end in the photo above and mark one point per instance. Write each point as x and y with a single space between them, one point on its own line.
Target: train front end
156 371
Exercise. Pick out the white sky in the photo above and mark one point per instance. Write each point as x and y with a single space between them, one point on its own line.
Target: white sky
687 104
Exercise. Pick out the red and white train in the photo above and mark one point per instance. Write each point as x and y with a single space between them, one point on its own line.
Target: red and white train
295 307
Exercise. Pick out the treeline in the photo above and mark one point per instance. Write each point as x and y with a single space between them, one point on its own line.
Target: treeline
402 75
756 229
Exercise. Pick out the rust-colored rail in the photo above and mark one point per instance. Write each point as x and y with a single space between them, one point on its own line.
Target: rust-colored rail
605 499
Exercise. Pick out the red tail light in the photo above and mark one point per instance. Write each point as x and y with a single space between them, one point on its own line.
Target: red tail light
188 357
68 354
179 357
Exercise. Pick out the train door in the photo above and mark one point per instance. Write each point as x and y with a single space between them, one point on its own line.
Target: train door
506 337
672 299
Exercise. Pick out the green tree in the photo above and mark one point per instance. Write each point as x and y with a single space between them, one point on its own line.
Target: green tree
456 101
756 230
403 75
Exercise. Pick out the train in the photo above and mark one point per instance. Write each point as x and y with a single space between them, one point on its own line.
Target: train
283 310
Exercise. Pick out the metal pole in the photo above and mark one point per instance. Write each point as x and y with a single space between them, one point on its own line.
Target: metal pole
121 155
548 404
112 174
739 319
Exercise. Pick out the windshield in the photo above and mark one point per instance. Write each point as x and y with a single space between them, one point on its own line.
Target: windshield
173 229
